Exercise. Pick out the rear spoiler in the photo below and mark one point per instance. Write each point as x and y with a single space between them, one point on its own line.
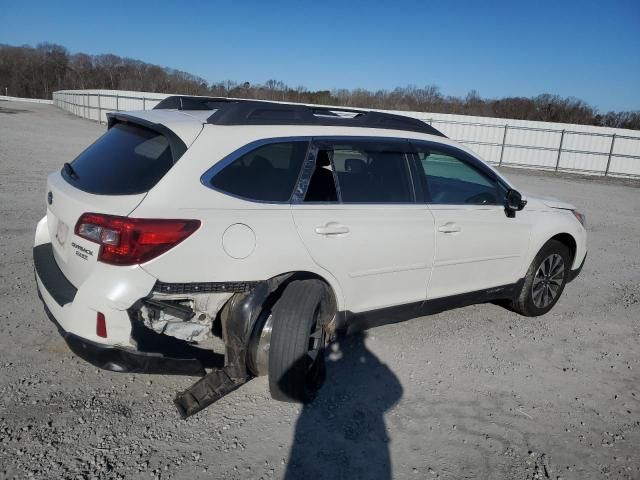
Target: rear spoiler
178 147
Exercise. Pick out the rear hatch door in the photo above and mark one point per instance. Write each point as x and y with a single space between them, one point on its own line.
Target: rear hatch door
110 177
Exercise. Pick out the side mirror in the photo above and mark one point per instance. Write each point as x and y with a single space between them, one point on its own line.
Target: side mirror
513 202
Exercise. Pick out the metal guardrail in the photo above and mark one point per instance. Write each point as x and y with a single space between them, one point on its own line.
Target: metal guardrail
71 101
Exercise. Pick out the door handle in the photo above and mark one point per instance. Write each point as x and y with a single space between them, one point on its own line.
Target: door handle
332 228
449 227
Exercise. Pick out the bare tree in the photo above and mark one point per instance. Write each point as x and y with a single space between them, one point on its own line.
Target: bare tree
38 72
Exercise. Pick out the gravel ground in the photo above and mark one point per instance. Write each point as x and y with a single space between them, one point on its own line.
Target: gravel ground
477 392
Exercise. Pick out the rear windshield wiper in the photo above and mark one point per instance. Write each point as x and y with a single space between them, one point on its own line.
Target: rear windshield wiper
70 171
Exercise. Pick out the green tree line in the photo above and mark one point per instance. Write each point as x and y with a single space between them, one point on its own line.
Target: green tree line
37 72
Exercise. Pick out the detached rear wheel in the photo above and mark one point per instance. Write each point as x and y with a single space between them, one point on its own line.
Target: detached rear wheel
296 353
545 280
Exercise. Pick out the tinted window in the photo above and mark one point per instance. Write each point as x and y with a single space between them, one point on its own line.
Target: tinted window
267 173
451 180
128 159
322 186
370 171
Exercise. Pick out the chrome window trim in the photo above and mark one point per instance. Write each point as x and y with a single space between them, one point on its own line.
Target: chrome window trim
302 183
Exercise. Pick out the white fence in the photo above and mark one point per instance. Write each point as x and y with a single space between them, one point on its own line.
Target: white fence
20 99
519 143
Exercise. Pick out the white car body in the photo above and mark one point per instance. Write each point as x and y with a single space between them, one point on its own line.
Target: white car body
374 256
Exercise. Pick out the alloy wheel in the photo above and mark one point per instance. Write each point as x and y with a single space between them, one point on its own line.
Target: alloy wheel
548 281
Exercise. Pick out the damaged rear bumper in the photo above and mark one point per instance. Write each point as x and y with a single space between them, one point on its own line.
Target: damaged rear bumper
149 352
126 360
141 348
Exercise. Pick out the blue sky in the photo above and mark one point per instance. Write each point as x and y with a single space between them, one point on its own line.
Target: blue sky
587 49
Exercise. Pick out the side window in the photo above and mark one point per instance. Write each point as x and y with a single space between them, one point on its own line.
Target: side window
268 173
366 172
322 186
450 180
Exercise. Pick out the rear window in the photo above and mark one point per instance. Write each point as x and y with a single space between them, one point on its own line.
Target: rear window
266 174
127 160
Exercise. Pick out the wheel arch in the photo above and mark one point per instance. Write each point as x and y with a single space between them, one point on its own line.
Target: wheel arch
336 322
567 236
567 240
333 290
276 287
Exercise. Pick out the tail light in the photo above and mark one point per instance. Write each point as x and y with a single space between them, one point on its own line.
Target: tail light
131 241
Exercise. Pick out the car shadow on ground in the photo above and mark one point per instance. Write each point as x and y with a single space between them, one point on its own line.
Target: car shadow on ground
342 434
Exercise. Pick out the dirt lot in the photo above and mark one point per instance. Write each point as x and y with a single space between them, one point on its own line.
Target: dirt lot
477 392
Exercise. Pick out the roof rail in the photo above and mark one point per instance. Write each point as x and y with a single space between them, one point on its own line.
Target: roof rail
184 102
227 111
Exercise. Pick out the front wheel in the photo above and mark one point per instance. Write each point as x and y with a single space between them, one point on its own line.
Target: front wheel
545 280
298 339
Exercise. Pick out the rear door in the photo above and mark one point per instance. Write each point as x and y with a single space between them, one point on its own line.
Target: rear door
477 246
111 177
357 215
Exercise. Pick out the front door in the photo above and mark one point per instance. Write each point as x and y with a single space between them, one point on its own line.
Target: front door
477 246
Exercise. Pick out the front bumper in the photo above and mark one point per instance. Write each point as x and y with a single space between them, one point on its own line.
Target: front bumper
156 354
574 273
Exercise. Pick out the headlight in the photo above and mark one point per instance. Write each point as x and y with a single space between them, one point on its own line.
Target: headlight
581 218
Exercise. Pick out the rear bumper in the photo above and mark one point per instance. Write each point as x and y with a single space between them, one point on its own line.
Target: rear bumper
61 289
125 360
154 355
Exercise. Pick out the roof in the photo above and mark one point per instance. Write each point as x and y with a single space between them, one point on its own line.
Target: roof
225 111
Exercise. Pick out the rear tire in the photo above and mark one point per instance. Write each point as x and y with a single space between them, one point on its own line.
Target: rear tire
296 353
545 280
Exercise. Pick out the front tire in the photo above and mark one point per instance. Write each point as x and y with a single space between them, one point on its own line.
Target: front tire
545 280
296 353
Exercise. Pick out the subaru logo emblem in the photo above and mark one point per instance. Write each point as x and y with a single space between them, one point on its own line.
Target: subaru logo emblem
50 198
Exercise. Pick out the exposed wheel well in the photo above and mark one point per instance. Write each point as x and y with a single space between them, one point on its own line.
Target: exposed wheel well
570 242
278 284
286 278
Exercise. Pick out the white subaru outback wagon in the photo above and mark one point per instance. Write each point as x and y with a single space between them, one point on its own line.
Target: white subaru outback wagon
275 227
